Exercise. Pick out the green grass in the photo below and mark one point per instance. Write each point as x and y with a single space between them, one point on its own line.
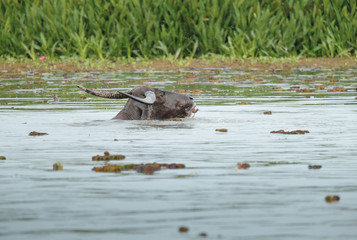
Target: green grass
177 29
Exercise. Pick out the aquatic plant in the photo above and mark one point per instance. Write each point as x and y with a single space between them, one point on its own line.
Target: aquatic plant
147 168
177 29
57 166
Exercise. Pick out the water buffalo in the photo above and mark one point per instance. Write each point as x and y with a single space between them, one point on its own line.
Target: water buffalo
147 103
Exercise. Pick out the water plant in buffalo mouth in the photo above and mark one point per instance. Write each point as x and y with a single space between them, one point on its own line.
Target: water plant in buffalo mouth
146 103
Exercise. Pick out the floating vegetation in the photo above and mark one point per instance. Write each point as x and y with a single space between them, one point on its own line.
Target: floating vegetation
331 198
315 166
243 166
291 132
221 130
202 234
148 168
57 167
108 157
34 133
2 158
268 113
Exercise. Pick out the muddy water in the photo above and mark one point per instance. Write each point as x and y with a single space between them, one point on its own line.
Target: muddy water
278 197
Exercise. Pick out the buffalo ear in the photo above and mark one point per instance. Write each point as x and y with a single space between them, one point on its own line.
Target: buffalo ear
149 99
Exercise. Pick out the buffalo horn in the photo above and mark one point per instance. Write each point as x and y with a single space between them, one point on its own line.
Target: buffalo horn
149 97
103 94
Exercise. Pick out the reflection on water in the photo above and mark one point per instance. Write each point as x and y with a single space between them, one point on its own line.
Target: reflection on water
278 197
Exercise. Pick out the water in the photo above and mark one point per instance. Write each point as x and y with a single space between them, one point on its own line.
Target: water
278 197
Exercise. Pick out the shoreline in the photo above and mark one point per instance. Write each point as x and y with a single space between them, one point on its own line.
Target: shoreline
268 64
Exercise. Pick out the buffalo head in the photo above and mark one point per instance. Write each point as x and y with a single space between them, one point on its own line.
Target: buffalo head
146 103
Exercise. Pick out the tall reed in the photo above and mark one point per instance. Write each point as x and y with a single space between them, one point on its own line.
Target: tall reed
178 28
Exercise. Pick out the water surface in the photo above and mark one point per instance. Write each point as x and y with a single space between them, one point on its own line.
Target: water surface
278 197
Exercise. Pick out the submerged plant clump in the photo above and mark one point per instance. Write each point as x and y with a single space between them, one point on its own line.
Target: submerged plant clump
108 157
331 198
291 132
315 166
338 89
34 133
57 166
175 119
221 130
243 166
183 229
148 168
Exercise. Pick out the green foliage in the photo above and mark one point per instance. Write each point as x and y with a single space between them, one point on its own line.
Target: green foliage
177 28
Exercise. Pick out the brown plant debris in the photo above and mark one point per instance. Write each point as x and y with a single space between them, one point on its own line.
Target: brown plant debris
34 133
203 234
315 166
221 130
294 88
176 119
243 166
148 168
267 113
331 198
108 157
291 132
183 229
2 158
57 167
337 89
306 90
108 168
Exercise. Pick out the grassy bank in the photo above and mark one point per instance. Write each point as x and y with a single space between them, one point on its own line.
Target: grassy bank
201 64
104 29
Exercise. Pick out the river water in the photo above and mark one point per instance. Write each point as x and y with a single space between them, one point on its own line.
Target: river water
278 197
